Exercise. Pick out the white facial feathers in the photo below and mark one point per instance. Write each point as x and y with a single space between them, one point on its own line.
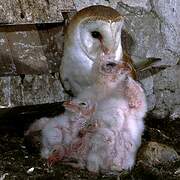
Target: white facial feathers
93 32
99 37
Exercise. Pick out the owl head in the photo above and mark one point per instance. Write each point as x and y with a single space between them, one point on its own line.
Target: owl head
109 71
81 106
96 30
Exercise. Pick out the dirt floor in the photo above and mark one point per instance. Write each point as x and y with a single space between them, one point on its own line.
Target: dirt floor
20 160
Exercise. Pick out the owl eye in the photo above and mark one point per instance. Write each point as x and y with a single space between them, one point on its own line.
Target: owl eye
109 67
82 104
96 35
111 64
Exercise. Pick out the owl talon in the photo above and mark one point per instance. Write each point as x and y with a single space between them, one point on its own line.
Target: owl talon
52 160
57 155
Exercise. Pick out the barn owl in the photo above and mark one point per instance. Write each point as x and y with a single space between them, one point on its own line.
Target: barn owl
122 114
93 31
60 134
116 125
106 74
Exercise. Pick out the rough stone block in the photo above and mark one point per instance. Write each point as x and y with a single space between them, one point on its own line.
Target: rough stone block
30 11
30 90
30 49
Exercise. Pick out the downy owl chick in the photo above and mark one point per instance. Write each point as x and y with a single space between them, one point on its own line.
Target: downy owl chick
122 112
106 74
93 31
60 135
116 125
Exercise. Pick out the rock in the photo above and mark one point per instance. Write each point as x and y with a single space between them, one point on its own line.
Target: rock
177 172
137 3
80 4
26 49
30 90
176 113
167 92
27 12
154 153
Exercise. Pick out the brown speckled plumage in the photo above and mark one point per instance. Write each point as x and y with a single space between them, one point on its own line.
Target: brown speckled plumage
97 12
128 59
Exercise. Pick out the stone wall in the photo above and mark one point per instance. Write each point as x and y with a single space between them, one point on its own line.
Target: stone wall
31 47
28 12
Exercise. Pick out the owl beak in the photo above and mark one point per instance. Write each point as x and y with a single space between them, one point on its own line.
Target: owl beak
105 50
111 54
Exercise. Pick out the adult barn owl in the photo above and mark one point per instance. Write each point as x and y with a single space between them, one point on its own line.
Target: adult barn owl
93 31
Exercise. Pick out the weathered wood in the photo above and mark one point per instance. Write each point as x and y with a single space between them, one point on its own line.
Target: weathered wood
30 49
30 90
31 11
